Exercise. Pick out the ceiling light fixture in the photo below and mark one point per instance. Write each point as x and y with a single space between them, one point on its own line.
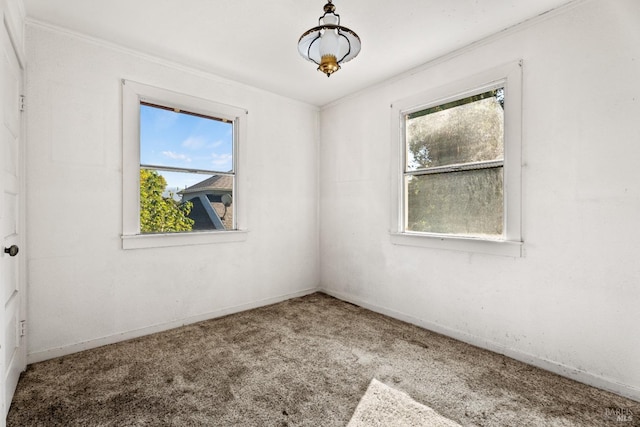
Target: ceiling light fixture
329 44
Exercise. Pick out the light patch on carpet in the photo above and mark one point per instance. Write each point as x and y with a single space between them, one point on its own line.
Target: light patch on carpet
382 405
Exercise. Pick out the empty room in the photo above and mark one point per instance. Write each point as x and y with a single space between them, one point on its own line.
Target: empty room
320 213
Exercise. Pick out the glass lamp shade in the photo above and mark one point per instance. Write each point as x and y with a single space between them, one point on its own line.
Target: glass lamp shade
329 44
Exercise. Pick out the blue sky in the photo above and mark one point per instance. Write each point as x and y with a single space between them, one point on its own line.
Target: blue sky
181 140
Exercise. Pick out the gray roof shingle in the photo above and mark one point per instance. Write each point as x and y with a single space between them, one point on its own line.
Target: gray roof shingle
216 182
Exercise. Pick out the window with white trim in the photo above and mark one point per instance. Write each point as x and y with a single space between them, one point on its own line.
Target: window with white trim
180 168
458 165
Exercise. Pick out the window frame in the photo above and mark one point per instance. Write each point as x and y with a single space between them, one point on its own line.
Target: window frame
133 93
508 76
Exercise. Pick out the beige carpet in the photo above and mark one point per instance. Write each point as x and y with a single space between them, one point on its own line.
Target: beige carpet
383 406
303 362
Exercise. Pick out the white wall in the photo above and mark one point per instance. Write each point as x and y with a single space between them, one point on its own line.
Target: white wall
13 15
84 290
572 303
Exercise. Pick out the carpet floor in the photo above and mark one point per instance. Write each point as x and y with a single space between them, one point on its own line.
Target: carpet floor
303 362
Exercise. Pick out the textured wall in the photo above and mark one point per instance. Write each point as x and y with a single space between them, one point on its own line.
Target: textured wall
13 16
571 304
84 290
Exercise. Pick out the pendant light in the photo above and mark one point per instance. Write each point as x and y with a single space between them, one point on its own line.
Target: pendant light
329 44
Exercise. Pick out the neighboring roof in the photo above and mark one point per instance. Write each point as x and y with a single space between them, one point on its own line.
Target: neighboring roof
200 217
206 192
215 183
203 220
225 214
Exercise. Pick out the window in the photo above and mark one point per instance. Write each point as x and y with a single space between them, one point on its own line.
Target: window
186 171
180 168
459 165
453 167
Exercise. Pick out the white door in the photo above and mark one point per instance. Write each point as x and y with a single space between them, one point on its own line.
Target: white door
12 264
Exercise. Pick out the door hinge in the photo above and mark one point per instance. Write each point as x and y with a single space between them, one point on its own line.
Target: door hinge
22 328
21 102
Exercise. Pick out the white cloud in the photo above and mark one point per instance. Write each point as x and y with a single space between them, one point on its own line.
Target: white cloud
222 160
176 156
194 142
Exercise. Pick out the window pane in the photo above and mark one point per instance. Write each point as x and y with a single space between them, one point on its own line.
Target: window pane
182 202
468 203
184 140
463 131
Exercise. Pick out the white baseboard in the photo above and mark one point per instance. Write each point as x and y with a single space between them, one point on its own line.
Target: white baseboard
549 365
603 383
52 353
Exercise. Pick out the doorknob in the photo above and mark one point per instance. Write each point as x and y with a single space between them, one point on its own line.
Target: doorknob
11 250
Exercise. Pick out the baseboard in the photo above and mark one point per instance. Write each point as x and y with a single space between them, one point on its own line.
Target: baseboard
52 353
530 359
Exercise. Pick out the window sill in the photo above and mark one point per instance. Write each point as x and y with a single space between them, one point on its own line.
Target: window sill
143 241
465 244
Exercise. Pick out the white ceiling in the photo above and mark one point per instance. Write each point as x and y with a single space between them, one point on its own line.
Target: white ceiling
254 42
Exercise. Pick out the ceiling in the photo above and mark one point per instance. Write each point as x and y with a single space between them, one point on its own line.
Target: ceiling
254 42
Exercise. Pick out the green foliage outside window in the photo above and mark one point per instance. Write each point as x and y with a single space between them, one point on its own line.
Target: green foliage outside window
160 214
